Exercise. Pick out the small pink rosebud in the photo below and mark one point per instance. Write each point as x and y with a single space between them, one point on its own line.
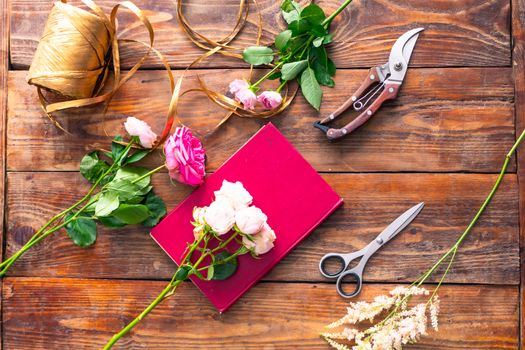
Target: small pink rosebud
185 157
270 99
241 90
137 127
261 242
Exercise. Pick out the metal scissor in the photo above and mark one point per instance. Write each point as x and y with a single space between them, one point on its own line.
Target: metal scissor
388 78
344 260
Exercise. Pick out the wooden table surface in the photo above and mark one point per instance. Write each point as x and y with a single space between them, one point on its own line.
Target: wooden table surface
442 141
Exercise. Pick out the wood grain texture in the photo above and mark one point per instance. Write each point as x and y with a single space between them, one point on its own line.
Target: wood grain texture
83 314
4 68
445 120
490 255
458 33
518 34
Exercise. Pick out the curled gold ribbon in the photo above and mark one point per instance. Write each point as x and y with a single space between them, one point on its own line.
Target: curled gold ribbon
224 47
74 53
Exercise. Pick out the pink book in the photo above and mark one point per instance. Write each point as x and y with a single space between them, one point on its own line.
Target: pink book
286 188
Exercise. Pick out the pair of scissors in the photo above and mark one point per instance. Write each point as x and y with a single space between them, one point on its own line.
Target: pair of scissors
356 273
388 78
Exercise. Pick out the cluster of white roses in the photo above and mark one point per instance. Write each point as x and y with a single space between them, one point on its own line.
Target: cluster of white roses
232 209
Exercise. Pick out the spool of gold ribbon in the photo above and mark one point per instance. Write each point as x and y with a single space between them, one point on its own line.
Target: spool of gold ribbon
72 58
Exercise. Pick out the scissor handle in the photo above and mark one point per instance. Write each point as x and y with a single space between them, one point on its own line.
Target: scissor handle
371 78
389 93
358 284
332 257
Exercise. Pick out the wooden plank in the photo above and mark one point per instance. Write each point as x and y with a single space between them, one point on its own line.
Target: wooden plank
458 33
518 36
372 201
4 68
445 120
83 314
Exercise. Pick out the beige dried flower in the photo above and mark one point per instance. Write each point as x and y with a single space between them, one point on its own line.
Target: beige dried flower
401 325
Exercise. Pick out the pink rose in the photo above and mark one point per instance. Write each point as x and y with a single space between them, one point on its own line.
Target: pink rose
241 90
235 193
261 242
238 85
185 157
250 220
220 216
137 127
270 99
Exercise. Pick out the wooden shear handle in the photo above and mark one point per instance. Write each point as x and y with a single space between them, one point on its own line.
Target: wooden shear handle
371 79
390 92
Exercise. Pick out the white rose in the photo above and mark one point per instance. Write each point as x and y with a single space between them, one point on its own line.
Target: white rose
261 242
235 193
220 216
250 220
198 215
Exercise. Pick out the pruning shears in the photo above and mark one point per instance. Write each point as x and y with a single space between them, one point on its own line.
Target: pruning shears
386 78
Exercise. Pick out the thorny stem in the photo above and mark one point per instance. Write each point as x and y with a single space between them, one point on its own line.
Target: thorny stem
172 285
453 250
41 233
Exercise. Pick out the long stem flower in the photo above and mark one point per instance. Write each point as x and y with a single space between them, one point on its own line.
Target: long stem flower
400 325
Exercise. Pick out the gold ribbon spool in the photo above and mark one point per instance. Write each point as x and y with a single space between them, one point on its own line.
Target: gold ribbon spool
73 56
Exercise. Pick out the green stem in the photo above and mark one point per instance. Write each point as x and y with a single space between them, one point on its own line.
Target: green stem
40 234
277 66
169 288
149 173
330 18
281 86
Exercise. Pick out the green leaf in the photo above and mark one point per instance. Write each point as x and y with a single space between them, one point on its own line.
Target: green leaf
310 88
258 55
111 221
318 31
135 157
126 190
299 27
321 74
291 70
313 14
330 67
132 174
281 40
131 214
107 202
274 75
319 53
223 270
327 39
82 230
92 167
182 273
157 209
117 148
290 11
318 42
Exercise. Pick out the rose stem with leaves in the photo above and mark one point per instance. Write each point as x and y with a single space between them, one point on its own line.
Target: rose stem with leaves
184 271
43 233
453 250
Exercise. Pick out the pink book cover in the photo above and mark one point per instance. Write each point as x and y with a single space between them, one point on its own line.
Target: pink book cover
286 188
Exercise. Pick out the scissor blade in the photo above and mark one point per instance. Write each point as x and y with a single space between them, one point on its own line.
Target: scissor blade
401 53
400 223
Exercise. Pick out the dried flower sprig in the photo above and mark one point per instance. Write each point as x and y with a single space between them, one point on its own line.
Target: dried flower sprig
229 223
403 325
